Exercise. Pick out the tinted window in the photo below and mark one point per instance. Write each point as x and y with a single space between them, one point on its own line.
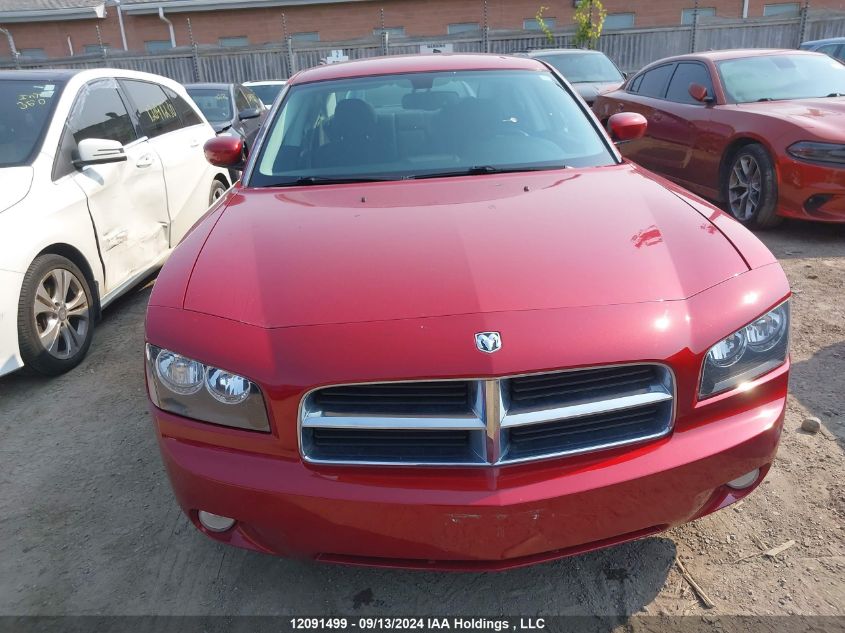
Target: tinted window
635 84
154 110
98 112
25 110
781 77
215 103
513 120
654 81
686 74
188 115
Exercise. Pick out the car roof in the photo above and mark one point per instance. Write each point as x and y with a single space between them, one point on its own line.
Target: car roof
415 64
736 53
827 40
561 51
211 85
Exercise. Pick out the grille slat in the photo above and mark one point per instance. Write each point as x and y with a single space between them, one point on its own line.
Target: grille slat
571 386
446 422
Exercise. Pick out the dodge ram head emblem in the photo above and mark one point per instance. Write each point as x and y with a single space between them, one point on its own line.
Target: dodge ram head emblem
488 342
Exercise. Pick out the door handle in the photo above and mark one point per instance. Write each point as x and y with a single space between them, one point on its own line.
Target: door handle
144 161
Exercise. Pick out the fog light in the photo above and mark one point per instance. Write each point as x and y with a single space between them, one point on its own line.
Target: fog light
215 522
745 481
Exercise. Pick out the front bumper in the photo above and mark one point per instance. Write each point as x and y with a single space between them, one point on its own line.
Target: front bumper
466 519
811 191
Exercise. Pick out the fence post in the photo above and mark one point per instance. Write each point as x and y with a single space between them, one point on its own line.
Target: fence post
485 30
802 26
694 32
102 47
195 61
385 43
291 57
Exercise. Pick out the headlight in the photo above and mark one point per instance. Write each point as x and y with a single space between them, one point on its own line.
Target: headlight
818 152
748 353
189 388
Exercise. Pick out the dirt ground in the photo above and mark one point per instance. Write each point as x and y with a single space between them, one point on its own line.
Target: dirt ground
88 524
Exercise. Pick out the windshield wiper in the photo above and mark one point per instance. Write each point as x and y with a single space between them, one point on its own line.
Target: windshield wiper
328 180
478 170
764 99
835 94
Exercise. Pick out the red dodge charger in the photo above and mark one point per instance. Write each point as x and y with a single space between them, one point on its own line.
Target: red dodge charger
761 131
442 323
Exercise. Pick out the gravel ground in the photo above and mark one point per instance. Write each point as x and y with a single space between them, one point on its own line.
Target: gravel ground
89 525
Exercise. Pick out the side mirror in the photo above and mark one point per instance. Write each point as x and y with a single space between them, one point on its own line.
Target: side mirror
625 75
249 113
626 126
225 151
98 151
699 93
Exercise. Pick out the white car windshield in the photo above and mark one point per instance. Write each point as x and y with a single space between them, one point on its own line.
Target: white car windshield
430 124
25 109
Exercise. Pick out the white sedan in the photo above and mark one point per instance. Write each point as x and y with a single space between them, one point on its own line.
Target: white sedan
101 174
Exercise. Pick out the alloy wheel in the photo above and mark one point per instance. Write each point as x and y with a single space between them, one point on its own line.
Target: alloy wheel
62 314
745 187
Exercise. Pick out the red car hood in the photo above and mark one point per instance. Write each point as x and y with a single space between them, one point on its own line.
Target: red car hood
825 116
529 241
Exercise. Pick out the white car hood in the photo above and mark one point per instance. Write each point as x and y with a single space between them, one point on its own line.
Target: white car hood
14 185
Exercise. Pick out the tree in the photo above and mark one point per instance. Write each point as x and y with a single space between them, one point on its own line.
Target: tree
542 24
589 19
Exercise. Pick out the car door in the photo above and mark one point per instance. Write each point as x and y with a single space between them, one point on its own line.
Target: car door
176 133
645 96
682 125
127 200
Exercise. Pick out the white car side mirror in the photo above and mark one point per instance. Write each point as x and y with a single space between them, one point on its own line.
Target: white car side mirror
98 151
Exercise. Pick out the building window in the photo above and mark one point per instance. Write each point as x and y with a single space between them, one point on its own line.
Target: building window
462 27
33 53
688 15
96 49
309 36
237 40
392 31
157 46
784 8
619 20
533 24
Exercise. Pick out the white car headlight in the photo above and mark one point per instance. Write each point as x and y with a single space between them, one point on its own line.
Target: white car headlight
189 388
746 354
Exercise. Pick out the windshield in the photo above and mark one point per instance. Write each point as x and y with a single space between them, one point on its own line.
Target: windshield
584 67
25 109
267 92
780 77
425 125
214 103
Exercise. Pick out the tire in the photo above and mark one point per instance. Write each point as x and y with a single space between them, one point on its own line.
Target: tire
217 191
55 316
750 188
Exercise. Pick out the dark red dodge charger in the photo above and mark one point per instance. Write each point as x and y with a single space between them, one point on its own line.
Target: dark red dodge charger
441 323
759 130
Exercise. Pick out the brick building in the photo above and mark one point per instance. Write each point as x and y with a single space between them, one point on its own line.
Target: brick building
60 28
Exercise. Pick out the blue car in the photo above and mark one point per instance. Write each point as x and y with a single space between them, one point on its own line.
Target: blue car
833 46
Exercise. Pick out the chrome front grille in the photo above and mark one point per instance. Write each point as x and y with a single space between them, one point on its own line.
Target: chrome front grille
487 422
